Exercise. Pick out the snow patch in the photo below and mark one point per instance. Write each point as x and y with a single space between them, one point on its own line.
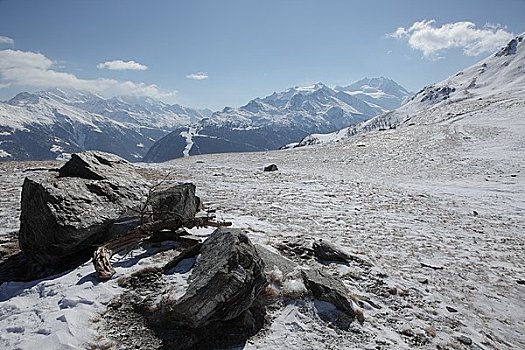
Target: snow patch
4 154
56 149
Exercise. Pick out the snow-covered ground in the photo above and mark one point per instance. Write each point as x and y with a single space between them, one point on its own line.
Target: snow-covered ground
448 194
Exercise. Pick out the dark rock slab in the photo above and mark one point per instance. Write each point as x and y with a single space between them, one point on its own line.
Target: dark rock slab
325 287
271 167
227 278
326 251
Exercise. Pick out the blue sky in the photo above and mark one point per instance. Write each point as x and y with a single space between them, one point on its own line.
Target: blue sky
241 49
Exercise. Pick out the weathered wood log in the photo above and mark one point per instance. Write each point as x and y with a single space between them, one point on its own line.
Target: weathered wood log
103 254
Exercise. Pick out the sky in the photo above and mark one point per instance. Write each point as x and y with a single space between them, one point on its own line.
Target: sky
212 54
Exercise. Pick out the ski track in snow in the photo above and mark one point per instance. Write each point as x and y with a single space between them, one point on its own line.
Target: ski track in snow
188 135
448 194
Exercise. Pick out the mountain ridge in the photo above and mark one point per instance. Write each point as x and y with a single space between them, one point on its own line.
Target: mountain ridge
276 120
499 76
54 123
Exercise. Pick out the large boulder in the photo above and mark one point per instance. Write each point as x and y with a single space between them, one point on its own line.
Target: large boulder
227 278
95 197
64 215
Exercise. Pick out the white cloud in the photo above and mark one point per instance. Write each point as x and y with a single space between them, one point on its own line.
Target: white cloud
30 69
122 65
431 40
197 76
6 40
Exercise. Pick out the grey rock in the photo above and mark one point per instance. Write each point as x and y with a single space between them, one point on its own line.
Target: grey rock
95 197
510 49
63 217
324 250
96 165
325 287
327 251
175 201
272 260
464 340
227 278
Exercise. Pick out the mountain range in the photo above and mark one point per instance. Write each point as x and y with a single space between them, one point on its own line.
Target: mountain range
54 123
500 76
280 118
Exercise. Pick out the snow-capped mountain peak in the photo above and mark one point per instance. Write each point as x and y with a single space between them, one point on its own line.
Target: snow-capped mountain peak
276 120
383 84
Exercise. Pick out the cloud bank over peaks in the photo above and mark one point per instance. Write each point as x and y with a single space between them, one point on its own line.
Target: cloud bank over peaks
31 69
431 40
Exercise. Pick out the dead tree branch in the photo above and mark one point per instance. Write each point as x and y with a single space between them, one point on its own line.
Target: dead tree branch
103 254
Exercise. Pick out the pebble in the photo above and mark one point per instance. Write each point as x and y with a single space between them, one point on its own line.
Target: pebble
464 340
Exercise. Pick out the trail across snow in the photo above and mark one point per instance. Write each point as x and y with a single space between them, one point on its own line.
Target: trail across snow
448 194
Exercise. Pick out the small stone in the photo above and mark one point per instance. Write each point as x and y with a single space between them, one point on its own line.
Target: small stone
271 167
464 340
450 309
409 332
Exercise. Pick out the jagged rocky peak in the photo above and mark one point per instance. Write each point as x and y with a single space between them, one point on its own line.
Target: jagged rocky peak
23 99
511 47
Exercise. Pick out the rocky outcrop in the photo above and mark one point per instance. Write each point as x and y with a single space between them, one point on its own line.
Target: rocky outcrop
65 214
228 277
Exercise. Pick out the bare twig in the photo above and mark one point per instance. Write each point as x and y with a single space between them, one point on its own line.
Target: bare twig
142 210
103 254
